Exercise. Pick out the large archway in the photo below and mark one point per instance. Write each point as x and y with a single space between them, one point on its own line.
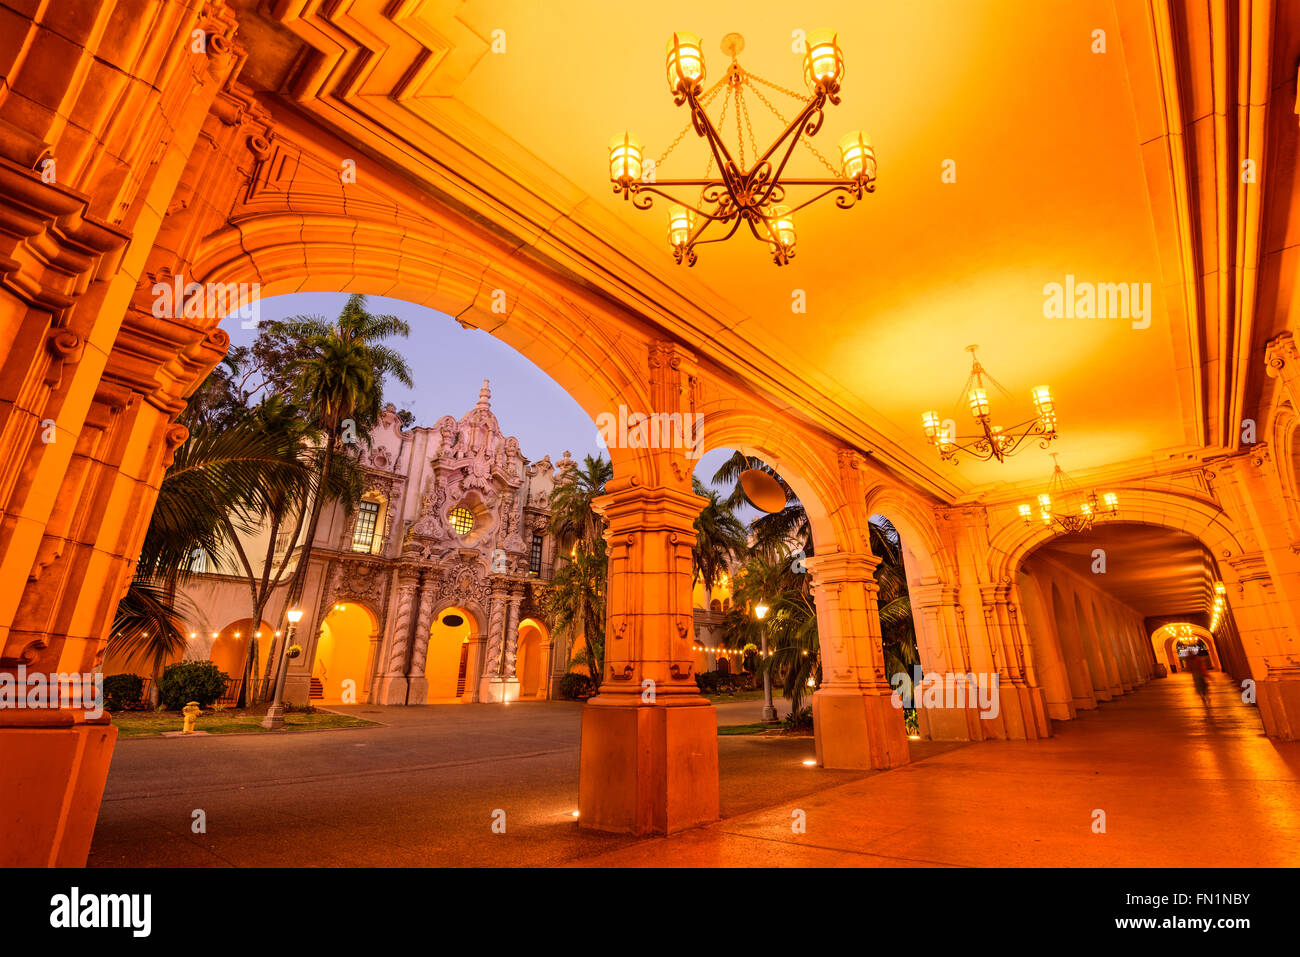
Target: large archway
344 655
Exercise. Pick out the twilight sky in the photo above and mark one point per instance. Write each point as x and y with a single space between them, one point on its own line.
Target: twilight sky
449 364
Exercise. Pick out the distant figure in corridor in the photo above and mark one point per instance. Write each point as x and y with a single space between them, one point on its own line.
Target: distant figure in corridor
1196 662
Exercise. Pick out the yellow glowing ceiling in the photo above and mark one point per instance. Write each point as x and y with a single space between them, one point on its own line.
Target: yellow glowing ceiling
1049 183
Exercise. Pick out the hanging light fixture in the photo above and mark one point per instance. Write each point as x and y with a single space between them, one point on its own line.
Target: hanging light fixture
746 187
1066 505
993 441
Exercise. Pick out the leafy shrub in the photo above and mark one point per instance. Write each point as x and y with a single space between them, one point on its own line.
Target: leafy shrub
191 681
912 721
123 692
721 682
577 687
801 721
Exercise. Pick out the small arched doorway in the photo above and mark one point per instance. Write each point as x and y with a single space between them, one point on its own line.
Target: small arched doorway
531 663
344 651
447 662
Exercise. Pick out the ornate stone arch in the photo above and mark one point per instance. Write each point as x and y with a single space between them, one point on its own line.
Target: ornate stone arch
811 470
1011 540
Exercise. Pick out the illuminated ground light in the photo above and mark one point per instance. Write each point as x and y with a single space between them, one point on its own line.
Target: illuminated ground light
810 762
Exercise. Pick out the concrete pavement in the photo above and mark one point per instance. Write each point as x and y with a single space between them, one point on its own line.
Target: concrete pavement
1178 785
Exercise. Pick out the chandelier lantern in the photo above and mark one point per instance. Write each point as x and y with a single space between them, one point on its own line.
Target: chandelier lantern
744 184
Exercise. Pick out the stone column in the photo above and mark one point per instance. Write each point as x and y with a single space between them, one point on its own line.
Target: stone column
512 633
418 684
392 685
490 682
649 754
1265 602
1022 711
937 616
856 722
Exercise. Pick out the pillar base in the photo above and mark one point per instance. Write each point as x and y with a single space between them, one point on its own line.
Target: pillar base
857 730
389 689
51 787
1023 713
648 768
498 690
950 724
1279 707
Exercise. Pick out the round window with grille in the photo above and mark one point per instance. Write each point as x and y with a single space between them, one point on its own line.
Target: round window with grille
462 520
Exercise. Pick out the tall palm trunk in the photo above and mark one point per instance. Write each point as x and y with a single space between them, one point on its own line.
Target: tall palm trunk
299 580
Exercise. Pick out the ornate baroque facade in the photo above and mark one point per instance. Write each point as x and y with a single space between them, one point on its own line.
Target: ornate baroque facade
453 516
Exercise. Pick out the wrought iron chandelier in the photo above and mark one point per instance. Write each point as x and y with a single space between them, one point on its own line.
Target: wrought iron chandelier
1068 506
748 188
992 441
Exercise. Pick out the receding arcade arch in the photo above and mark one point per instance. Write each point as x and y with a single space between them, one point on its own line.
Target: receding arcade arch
594 361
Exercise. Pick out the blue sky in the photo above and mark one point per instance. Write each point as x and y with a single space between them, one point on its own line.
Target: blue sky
449 364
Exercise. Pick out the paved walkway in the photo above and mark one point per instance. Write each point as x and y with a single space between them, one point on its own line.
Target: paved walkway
1179 785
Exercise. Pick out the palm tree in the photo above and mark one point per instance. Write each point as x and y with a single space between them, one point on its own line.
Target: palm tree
897 629
339 381
575 608
774 532
791 623
286 507
575 603
573 517
220 483
720 538
775 536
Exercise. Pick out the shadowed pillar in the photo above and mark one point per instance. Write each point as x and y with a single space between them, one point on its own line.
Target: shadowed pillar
856 722
649 761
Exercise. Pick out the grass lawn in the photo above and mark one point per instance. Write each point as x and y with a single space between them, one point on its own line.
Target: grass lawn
754 695
756 728
146 724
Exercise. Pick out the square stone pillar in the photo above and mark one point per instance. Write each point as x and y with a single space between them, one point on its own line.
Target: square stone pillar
940 630
649 753
855 719
1022 710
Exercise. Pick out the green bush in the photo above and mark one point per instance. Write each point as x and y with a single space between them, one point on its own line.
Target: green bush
719 682
577 687
123 692
801 721
191 681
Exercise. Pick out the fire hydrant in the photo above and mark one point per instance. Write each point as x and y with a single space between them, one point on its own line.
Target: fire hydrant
190 711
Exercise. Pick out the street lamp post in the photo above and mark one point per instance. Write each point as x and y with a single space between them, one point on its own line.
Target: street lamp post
274 719
769 712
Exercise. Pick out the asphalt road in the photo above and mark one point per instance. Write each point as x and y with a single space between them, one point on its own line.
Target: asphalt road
421 790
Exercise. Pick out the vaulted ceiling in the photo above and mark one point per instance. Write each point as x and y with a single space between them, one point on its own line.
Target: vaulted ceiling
1157 571
1107 165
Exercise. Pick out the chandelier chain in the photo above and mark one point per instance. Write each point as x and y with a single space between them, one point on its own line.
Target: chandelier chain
784 122
740 133
749 127
704 101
